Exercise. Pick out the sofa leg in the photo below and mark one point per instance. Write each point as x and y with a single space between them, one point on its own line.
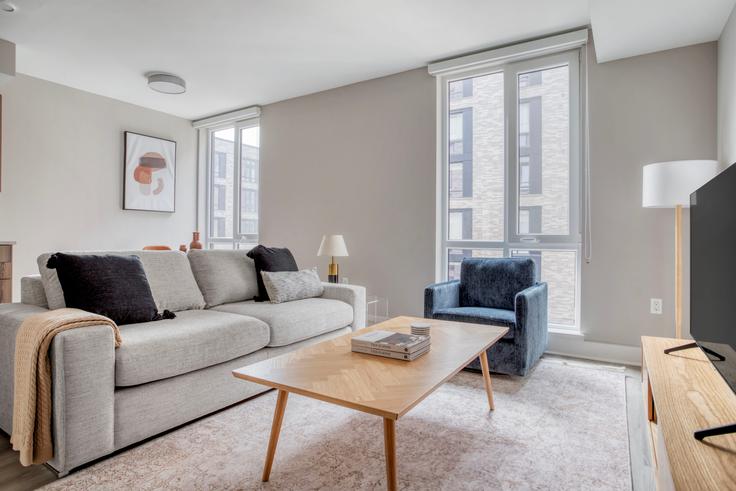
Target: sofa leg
487 378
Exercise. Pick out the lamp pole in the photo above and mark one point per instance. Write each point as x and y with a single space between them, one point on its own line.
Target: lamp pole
678 271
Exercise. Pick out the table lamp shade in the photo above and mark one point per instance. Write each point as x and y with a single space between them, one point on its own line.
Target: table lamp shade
668 184
332 245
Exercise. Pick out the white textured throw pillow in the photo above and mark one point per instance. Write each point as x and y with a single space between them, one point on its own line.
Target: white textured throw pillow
284 286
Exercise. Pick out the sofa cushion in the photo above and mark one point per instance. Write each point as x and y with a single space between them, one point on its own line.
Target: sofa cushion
224 276
113 286
195 339
480 315
287 286
270 259
295 321
494 282
169 275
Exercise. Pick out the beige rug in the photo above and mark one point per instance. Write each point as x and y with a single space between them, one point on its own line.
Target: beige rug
561 428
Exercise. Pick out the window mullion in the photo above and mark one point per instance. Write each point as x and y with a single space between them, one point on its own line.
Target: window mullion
236 185
510 155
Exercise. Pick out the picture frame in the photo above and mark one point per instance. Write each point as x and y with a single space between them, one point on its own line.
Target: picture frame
149 173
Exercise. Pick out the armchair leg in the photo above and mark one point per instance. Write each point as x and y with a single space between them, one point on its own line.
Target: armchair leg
487 378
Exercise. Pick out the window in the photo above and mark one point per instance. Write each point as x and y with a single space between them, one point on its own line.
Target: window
220 197
249 201
233 210
518 133
461 89
461 153
461 224
220 164
249 226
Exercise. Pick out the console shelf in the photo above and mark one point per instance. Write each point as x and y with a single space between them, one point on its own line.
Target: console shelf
684 393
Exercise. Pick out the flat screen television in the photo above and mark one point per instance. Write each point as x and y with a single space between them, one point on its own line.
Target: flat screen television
713 271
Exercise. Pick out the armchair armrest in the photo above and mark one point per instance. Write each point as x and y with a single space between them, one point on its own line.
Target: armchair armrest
353 295
531 321
438 296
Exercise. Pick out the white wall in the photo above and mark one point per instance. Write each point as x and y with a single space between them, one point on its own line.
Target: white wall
62 173
727 92
644 109
359 161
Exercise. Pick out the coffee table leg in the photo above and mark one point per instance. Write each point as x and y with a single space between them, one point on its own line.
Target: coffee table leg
278 417
487 378
389 440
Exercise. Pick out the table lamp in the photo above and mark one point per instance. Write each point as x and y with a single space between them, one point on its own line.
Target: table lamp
669 185
333 246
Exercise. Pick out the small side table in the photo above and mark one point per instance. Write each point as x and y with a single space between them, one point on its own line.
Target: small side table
6 272
376 309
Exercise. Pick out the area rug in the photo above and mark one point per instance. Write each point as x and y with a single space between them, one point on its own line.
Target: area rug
563 427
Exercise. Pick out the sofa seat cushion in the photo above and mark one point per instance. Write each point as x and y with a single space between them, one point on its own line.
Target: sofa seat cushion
291 322
480 315
195 339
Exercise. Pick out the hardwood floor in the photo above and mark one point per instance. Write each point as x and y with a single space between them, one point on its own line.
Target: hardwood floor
15 477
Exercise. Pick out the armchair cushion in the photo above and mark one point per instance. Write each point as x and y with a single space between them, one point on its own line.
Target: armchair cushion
494 282
480 315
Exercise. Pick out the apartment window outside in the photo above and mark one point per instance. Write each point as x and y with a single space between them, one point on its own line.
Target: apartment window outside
461 153
518 131
233 209
220 165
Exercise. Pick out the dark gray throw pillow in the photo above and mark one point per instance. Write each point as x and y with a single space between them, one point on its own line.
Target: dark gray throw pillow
270 259
113 286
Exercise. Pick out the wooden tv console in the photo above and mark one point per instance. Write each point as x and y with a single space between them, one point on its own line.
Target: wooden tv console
683 393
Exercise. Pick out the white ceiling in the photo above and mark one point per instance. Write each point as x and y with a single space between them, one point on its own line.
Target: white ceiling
235 53
623 28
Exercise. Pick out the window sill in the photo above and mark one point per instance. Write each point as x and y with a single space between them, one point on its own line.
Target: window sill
565 332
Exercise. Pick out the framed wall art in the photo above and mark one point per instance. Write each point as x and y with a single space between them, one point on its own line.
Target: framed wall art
149 180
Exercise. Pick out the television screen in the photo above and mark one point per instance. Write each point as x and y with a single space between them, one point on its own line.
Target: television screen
713 270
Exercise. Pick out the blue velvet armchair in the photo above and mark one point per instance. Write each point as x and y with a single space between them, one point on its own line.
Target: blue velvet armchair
501 292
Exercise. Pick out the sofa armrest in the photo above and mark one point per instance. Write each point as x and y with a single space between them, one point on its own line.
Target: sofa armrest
438 296
83 398
531 321
32 292
83 387
350 294
12 316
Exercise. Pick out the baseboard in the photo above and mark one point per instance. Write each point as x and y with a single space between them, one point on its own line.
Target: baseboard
576 346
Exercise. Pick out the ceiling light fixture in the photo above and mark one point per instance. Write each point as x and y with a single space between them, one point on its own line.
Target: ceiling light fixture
7 7
166 83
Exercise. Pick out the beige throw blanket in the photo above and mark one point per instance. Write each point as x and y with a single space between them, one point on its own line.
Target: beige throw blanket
32 392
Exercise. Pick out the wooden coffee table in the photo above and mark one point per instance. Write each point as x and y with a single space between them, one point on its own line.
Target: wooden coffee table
388 388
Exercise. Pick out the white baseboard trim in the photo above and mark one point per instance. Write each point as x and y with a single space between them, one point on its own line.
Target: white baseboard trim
576 346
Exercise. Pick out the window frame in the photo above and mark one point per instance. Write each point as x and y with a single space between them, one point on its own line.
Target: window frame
512 239
238 239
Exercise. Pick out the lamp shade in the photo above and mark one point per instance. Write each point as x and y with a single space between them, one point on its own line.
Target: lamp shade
332 245
668 184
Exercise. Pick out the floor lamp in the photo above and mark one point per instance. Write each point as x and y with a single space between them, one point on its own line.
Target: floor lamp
669 185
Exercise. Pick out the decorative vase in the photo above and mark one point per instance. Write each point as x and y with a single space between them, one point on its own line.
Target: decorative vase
183 248
196 244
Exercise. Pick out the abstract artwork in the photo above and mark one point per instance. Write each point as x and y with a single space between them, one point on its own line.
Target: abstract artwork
149 182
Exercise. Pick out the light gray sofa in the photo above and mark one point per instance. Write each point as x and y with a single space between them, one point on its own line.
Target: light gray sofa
168 372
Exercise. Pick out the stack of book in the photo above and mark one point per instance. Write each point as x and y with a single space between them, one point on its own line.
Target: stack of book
392 345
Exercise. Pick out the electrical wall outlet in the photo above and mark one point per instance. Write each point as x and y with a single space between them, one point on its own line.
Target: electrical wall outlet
655 306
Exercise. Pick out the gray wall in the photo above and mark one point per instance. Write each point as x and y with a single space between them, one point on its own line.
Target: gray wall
645 109
62 173
727 92
360 160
